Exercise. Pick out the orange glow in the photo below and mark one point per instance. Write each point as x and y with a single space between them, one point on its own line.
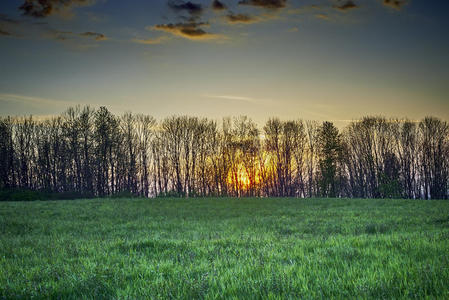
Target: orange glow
244 179
241 178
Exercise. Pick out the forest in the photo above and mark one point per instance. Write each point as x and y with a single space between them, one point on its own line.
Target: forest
87 152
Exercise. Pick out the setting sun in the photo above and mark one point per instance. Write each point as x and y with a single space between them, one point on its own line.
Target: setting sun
239 179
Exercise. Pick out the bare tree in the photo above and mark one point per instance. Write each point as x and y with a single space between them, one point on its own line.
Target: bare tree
91 152
145 130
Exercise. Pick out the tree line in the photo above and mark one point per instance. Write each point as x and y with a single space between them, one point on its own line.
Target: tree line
94 153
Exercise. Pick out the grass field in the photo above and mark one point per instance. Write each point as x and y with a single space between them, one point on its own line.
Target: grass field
224 248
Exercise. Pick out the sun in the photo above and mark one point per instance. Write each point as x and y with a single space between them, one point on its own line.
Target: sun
244 178
239 178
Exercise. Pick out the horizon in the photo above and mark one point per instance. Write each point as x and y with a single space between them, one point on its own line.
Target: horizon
340 124
313 60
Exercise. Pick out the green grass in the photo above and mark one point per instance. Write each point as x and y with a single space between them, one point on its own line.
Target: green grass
224 248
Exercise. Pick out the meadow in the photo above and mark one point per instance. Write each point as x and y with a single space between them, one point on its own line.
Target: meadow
215 248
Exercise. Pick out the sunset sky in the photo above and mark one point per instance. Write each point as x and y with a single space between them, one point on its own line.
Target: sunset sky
323 60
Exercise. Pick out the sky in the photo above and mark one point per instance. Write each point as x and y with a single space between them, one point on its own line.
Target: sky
334 60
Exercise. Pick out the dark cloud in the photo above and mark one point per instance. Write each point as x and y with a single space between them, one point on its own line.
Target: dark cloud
240 18
29 28
63 35
45 8
190 7
183 29
72 36
190 27
272 4
58 35
97 36
217 5
346 5
190 30
396 4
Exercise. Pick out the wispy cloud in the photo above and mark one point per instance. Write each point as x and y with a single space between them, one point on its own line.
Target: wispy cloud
348 5
218 5
238 98
150 41
322 16
228 97
30 29
304 9
5 33
8 26
34 100
241 19
396 4
270 4
190 7
191 31
45 8
41 103
234 19
68 35
95 35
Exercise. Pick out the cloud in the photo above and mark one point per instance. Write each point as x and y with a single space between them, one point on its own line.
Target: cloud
28 28
348 5
228 97
155 41
75 38
241 19
4 33
8 26
272 4
218 5
322 16
235 19
45 8
190 30
59 35
97 36
240 98
304 9
190 7
396 4
40 104
33 100
191 27
293 29
6 19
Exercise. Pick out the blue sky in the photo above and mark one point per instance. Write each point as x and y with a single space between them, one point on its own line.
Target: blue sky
322 60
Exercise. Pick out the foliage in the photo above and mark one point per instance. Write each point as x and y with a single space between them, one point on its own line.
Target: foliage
224 248
330 153
389 187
